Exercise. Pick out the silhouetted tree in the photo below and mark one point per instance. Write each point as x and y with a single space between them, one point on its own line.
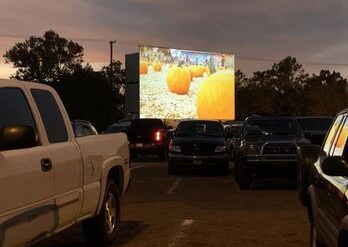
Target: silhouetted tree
326 93
92 96
44 59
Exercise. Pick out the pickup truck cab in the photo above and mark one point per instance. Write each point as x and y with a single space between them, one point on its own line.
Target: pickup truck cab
50 180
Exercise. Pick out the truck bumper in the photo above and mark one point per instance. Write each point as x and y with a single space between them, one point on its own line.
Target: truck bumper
180 160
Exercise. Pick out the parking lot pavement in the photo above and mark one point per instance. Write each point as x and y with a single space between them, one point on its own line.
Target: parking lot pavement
195 208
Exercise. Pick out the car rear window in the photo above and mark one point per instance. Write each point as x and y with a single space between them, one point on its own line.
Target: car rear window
272 126
146 124
199 128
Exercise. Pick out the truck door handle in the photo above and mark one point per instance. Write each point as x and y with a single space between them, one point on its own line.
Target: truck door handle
46 165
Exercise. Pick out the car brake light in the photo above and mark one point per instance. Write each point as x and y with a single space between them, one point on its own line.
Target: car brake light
158 135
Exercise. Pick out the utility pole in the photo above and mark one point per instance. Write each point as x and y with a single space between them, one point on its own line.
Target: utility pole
111 51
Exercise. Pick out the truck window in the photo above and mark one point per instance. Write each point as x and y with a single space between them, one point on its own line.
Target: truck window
14 108
51 115
332 134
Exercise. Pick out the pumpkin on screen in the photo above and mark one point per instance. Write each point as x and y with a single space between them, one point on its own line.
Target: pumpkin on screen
178 80
197 71
143 68
156 66
215 96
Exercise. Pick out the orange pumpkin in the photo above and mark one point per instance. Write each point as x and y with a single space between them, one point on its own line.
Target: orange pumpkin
178 80
156 66
197 71
215 96
143 68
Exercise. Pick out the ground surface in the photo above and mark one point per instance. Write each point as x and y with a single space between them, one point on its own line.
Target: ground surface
196 208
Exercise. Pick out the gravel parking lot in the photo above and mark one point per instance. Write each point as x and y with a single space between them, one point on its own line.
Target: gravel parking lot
197 208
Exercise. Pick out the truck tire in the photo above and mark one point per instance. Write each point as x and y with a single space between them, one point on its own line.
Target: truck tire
244 179
134 154
162 154
102 229
171 169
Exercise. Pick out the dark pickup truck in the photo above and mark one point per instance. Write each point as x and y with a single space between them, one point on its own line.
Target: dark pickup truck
268 148
148 136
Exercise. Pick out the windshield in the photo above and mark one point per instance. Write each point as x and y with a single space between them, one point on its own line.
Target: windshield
315 123
272 127
199 128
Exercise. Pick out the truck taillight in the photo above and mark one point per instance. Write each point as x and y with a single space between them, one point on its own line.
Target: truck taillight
158 136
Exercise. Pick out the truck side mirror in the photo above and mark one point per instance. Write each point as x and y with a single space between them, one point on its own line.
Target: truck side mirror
17 137
335 166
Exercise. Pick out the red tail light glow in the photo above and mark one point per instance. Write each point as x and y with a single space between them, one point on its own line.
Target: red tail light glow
158 136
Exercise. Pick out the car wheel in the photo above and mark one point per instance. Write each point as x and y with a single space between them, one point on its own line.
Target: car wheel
134 154
225 169
162 154
102 229
244 179
172 169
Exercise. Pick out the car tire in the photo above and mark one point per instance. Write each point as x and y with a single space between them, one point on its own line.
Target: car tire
102 229
162 154
172 169
134 154
244 179
314 240
225 169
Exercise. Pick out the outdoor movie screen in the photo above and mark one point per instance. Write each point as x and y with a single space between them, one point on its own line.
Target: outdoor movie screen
182 84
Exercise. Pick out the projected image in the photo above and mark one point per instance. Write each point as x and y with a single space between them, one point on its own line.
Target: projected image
181 84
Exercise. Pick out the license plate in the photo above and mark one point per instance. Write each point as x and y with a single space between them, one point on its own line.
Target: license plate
139 145
197 162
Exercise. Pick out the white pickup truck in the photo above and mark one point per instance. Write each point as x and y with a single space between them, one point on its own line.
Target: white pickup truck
50 180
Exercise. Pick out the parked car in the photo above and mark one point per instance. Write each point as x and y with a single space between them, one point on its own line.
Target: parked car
315 128
83 128
120 127
47 183
148 136
268 148
327 189
198 143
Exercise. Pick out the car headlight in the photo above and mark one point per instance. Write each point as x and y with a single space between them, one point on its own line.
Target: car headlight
220 149
175 148
253 150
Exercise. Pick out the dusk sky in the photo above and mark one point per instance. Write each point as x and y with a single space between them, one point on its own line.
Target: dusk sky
314 31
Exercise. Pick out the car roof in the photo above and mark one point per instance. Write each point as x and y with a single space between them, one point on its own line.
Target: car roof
253 117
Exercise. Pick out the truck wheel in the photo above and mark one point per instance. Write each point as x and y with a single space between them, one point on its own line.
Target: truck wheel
134 154
162 154
225 169
171 169
244 179
102 229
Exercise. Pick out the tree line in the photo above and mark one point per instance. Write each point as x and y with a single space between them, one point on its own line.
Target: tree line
98 96
286 88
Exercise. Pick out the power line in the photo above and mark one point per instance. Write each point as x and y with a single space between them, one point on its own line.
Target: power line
127 42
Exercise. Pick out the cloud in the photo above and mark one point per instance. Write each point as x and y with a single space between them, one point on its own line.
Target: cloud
312 29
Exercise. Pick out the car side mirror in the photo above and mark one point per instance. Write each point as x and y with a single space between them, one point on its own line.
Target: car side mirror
17 137
335 166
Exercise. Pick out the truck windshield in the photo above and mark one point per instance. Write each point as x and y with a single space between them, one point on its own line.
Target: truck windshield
199 128
272 127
